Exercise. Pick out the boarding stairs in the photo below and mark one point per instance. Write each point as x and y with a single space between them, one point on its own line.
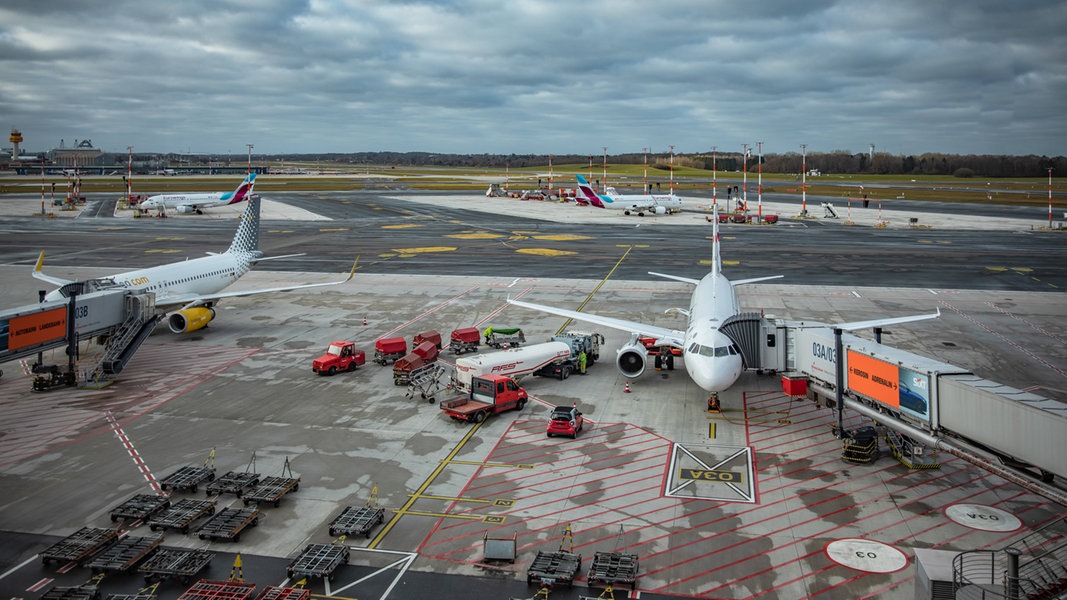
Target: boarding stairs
1033 567
141 320
426 381
909 453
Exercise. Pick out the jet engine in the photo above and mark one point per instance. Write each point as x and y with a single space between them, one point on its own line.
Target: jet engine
190 319
659 210
632 359
185 209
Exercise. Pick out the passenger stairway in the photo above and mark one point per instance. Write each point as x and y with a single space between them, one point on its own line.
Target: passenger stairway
910 454
426 381
141 320
1033 567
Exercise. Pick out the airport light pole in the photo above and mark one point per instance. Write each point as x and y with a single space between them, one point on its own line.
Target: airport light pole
645 183
759 185
670 186
744 180
249 158
129 173
803 179
714 175
1050 197
604 182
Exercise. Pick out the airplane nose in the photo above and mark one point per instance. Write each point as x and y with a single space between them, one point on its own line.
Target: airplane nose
712 375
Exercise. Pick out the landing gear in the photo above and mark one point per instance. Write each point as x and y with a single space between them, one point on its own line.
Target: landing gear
713 404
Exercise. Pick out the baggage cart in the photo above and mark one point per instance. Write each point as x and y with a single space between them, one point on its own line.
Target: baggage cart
179 564
389 350
233 483
612 569
318 560
207 589
125 554
283 593
77 592
465 339
357 519
80 545
187 479
554 567
228 523
271 489
181 515
140 506
502 549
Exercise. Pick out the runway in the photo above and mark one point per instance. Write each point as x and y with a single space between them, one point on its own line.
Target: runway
243 386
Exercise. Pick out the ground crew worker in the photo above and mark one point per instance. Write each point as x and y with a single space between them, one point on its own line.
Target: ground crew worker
581 362
488 334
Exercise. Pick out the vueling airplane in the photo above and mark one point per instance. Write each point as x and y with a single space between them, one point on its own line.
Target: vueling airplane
711 358
196 203
639 204
188 290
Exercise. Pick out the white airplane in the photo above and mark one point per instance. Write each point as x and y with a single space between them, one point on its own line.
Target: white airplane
196 203
712 359
189 289
639 204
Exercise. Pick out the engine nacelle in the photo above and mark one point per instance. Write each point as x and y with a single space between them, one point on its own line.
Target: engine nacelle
632 359
190 319
185 209
659 210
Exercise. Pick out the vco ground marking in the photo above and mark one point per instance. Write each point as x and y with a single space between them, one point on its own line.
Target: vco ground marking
722 473
866 555
757 416
983 518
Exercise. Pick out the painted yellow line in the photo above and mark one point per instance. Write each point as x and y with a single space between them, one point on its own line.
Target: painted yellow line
545 252
420 513
711 430
485 464
422 488
589 298
479 500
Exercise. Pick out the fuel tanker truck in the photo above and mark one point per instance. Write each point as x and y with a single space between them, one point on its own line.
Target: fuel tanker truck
549 358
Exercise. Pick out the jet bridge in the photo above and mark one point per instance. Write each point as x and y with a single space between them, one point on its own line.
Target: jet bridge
122 317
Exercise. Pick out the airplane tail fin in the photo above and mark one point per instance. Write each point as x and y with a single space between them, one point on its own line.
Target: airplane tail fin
247 237
244 190
588 193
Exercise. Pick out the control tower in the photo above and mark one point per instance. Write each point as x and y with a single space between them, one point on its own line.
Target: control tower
16 141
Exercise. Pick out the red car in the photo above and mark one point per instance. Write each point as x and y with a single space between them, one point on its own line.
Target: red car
565 420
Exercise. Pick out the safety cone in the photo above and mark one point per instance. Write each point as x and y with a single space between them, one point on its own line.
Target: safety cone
627 388
364 321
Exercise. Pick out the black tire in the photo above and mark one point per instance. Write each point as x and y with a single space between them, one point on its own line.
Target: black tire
520 405
332 371
351 366
479 416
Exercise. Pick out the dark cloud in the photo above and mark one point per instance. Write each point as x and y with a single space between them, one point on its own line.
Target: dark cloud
537 76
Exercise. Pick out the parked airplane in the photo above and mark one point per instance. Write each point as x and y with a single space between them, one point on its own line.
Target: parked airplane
639 204
712 359
188 290
196 203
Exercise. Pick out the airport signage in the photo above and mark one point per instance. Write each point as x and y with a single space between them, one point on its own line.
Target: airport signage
711 475
874 378
37 328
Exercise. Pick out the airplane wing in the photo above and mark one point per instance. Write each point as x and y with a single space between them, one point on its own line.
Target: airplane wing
189 301
39 274
675 277
662 334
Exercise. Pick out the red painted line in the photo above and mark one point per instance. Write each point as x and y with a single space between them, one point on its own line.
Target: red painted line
40 584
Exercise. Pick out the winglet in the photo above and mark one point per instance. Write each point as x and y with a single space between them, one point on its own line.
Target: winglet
40 263
353 273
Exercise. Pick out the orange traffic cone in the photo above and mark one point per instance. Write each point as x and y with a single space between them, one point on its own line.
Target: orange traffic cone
627 388
364 321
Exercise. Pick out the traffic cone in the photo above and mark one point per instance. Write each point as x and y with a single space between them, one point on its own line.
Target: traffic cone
627 388
364 321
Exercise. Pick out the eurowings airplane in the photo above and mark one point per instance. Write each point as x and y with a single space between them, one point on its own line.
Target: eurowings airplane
189 289
639 204
711 358
196 203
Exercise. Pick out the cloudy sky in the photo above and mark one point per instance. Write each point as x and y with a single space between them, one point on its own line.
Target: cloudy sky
537 76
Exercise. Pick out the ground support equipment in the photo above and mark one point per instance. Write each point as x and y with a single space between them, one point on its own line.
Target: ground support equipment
187 479
426 381
554 567
612 569
271 489
124 555
77 592
502 549
145 596
228 523
357 519
140 506
233 483
208 589
180 515
80 545
318 560
283 593
180 564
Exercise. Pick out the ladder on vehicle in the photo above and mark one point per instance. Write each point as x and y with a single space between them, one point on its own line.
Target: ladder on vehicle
910 454
426 382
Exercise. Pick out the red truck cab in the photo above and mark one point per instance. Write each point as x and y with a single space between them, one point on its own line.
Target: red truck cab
340 356
489 395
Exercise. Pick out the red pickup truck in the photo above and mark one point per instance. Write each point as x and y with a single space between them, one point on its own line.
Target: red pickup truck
340 356
489 395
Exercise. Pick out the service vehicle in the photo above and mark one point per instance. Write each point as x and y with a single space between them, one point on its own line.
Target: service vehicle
504 337
465 339
389 350
565 420
582 341
489 395
515 363
663 355
340 356
430 335
420 357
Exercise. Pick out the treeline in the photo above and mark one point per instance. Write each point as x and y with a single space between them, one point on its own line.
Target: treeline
837 162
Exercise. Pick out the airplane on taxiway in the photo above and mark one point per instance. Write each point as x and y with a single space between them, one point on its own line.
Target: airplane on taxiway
196 203
639 204
712 359
188 290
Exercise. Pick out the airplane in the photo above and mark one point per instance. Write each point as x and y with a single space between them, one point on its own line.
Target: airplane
188 290
196 203
712 359
639 204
